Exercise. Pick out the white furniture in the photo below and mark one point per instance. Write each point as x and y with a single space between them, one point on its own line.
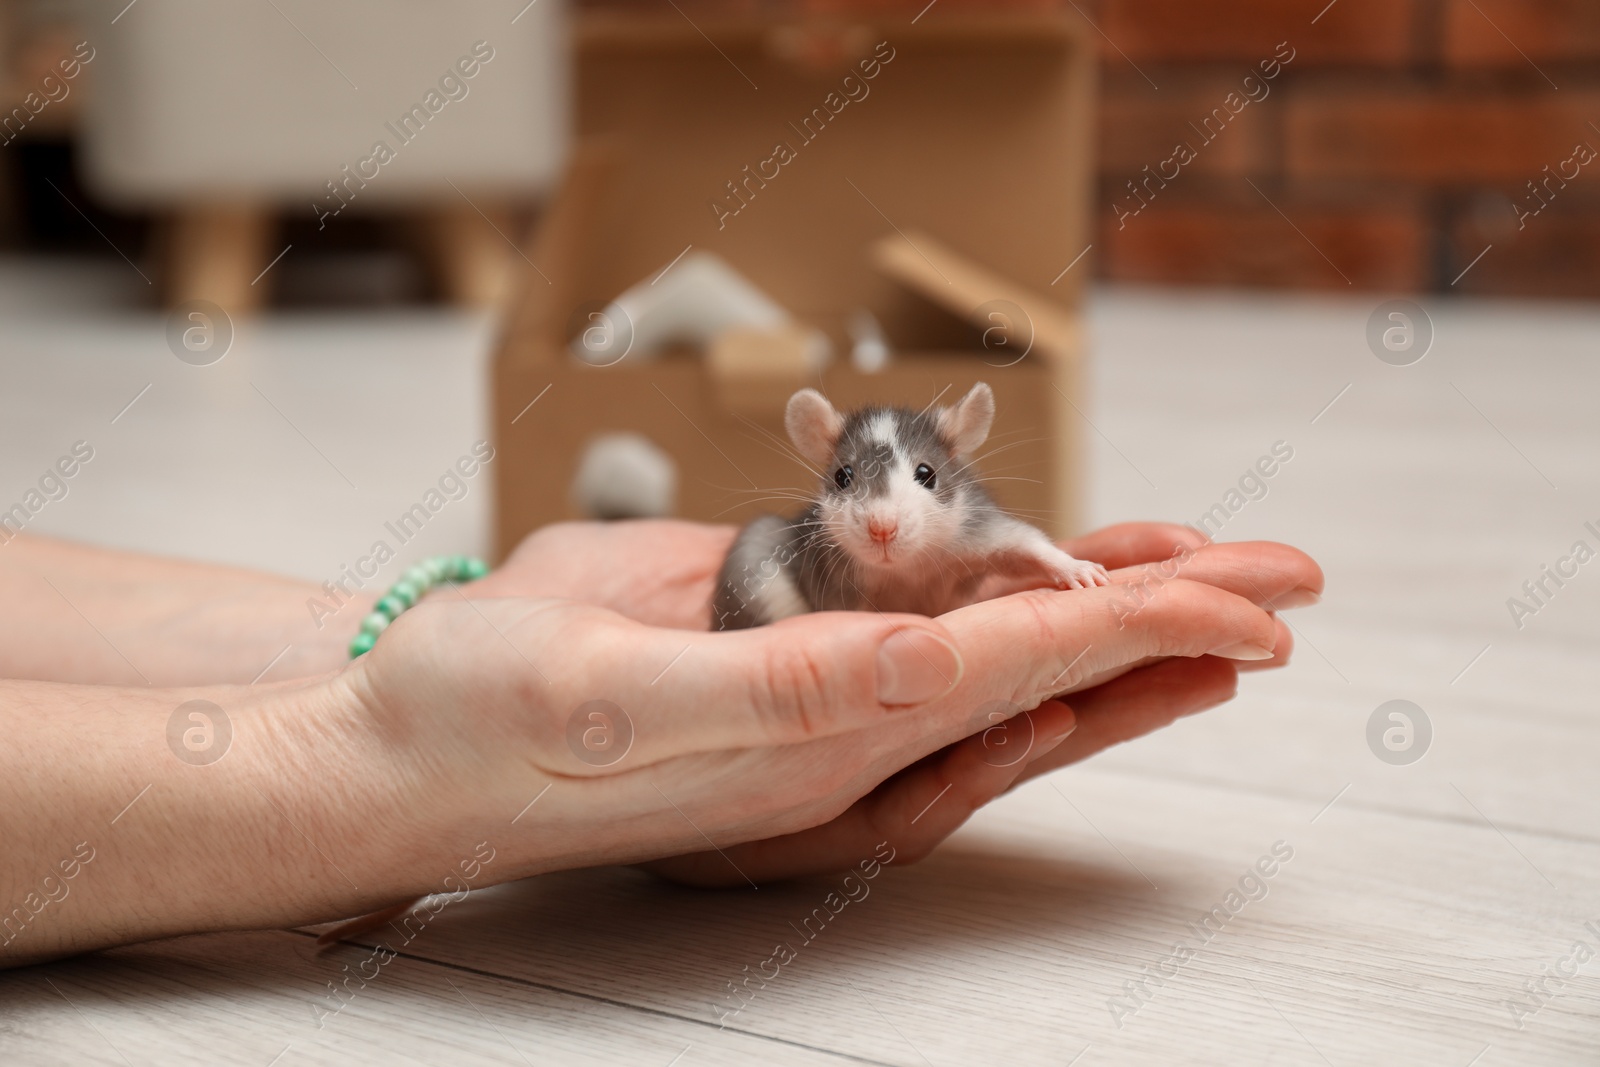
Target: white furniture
226 110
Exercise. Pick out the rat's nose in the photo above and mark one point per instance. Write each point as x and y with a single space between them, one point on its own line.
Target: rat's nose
882 529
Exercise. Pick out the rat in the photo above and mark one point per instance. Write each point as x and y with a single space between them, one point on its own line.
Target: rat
899 521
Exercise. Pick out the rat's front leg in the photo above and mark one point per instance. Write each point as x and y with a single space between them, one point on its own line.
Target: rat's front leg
1015 549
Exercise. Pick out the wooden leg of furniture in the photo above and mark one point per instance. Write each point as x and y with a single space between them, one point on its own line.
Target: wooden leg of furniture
217 252
472 251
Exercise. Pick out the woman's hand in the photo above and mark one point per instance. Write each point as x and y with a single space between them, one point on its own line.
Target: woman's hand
663 572
736 738
977 769
658 571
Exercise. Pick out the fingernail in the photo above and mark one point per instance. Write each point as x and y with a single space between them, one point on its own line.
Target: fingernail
1295 598
915 666
1247 650
1051 742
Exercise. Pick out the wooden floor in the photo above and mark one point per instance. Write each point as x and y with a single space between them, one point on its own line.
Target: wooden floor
1418 903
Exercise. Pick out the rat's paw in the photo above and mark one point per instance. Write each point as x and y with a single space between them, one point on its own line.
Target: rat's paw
1072 573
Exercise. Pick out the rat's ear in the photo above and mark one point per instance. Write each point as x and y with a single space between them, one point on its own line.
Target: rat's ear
814 426
966 426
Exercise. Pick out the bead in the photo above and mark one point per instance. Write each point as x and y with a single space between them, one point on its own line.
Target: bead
413 583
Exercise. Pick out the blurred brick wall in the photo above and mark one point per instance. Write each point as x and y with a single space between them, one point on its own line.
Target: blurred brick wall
1398 140
1403 139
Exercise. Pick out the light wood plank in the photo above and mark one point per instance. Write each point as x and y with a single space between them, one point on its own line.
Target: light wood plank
1425 518
247 998
1386 937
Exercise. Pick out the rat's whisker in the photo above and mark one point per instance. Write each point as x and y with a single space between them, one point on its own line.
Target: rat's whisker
999 478
959 559
985 457
777 444
934 401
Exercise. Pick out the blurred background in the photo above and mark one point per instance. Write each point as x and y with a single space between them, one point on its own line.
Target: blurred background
1400 139
366 179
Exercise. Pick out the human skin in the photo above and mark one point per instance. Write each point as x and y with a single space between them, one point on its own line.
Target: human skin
664 573
360 784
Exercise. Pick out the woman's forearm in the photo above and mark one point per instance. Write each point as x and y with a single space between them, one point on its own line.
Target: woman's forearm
132 814
94 616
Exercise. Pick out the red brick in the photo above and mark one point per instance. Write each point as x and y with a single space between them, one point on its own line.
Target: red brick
37 55
1554 254
1440 138
1489 33
1243 244
783 9
1366 32
1139 127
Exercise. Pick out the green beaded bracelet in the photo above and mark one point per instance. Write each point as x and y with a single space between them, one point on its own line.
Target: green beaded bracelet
409 589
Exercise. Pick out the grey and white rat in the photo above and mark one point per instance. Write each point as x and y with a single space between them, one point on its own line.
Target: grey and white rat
900 521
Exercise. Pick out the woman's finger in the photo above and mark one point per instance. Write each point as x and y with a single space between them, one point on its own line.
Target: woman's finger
1031 646
1128 544
1138 703
1270 575
910 813
798 680
1282 649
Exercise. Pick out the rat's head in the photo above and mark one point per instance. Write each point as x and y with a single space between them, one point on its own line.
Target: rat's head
896 484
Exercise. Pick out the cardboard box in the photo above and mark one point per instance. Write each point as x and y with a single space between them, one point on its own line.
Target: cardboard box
936 174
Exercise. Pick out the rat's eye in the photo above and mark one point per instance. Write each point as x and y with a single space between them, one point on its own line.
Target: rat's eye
843 477
924 475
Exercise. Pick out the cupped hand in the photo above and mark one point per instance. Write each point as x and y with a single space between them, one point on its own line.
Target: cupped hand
736 738
1112 706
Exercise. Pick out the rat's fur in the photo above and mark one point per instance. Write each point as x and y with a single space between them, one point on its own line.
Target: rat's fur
945 540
